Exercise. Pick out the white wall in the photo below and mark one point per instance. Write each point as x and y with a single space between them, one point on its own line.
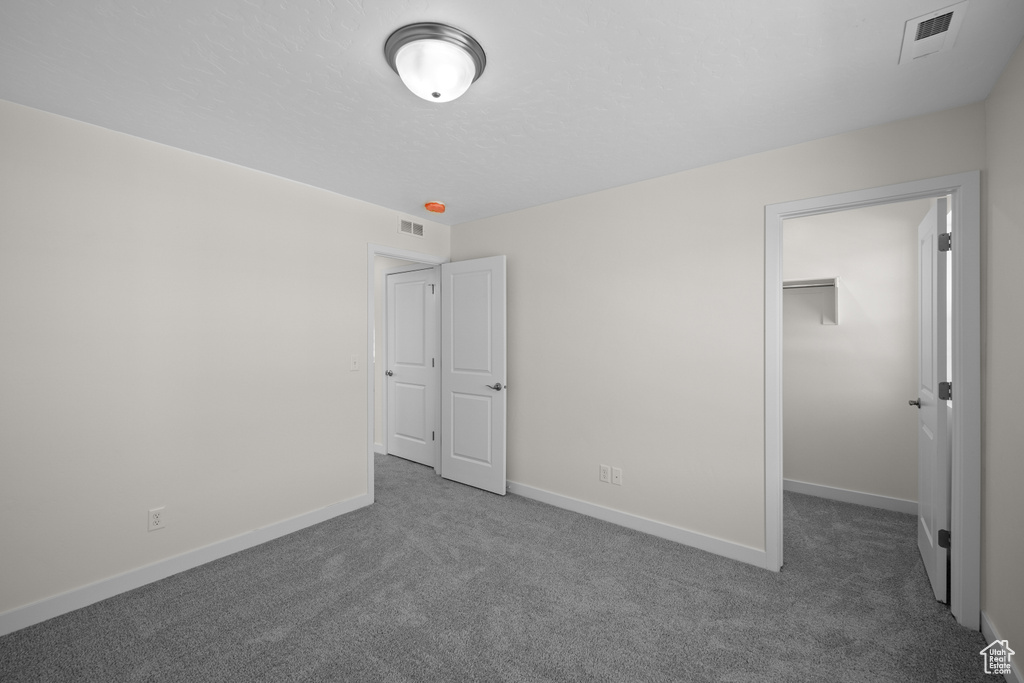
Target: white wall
1003 365
636 321
847 423
177 332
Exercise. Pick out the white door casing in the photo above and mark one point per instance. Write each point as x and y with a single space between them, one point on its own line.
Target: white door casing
473 366
411 373
933 458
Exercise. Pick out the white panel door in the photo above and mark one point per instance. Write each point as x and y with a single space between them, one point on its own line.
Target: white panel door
411 372
933 437
473 390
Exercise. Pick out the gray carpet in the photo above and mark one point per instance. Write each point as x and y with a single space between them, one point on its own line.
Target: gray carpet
441 582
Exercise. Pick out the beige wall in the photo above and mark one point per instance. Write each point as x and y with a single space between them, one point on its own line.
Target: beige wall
1003 322
845 387
177 332
636 321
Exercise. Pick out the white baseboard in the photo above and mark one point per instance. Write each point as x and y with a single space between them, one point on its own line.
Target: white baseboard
20 617
848 496
991 634
378 448
711 544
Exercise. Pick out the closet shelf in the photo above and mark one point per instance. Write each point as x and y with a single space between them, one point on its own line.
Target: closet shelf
828 317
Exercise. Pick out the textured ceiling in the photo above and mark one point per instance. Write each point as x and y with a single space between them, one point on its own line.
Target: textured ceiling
577 96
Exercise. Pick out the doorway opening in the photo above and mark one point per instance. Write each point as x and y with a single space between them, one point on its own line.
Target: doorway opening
965 514
379 259
406 351
850 355
470 425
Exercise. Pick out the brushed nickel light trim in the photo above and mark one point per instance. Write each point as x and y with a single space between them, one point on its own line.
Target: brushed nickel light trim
431 31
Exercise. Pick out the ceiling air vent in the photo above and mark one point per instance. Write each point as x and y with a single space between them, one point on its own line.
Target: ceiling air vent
932 33
940 24
408 227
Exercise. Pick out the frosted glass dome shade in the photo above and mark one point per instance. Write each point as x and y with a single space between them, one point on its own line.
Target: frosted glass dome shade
435 61
435 70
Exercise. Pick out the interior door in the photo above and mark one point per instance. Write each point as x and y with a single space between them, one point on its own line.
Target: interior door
473 391
933 437
411 372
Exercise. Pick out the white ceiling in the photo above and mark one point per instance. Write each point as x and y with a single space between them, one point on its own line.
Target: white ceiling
577 96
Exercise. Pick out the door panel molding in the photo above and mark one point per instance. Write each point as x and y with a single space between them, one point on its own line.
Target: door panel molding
965 518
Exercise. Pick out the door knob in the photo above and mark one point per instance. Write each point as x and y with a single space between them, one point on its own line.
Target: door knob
389 373
915 402
496 386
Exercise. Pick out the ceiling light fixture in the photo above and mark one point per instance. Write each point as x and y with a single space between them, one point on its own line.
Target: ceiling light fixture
436 62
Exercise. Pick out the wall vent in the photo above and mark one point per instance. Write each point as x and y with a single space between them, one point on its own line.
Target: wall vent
932 33
408 227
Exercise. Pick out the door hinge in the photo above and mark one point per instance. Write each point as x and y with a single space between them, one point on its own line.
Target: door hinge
431 289
433 436
946 241
944 538
946 391
431 362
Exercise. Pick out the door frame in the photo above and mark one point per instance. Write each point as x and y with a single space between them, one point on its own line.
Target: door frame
372 251
965 510
411 268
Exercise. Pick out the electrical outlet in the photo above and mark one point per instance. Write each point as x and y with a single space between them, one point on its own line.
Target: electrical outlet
157 520
354 365
606 474
617 476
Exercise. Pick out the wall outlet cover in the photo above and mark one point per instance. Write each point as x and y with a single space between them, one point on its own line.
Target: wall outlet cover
157 519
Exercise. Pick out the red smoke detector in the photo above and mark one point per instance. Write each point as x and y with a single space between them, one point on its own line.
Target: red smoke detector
434 207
